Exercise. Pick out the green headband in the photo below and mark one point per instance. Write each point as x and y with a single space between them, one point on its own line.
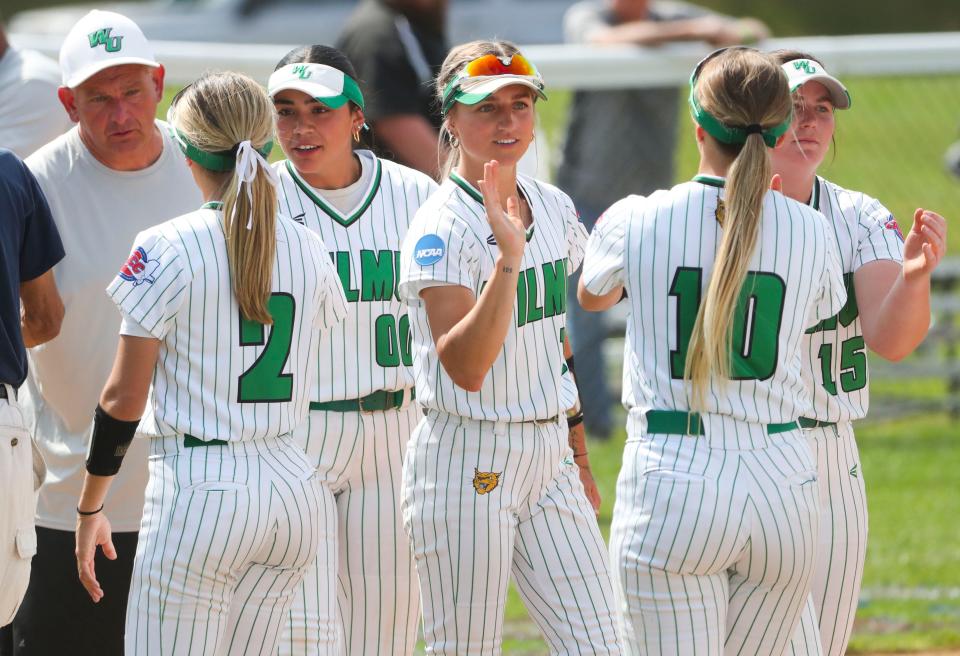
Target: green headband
727 134
220 161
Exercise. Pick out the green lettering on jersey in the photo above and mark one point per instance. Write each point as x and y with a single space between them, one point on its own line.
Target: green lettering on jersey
848 313
554 288
521 300
376 275
342 260
534 309
103 38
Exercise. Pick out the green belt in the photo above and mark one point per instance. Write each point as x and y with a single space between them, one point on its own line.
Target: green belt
374 402
189 441
676 422
806 422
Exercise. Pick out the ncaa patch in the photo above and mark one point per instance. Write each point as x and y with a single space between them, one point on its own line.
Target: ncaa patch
139 268
430 249
485 482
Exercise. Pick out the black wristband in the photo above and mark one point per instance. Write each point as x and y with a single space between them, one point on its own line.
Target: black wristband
575 420
570 366
87 513
109 443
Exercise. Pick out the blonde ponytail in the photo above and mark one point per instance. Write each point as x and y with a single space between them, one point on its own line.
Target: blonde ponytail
212 118
739 88
251 251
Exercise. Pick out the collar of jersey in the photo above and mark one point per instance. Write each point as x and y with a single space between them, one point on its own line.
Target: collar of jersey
477 196
346 220
815 194
710 180
212 205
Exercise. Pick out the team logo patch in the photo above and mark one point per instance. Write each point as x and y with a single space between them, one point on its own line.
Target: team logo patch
430 249
485 482
854 472
892 224
139 268
492 240
104 38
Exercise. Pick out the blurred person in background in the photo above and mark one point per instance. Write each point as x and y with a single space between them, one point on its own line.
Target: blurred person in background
397 47
630 151
30 113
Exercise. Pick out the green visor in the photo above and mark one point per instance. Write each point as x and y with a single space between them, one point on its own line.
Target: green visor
219 161
729 134
323 83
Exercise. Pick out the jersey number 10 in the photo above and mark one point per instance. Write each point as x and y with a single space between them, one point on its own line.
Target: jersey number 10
756 322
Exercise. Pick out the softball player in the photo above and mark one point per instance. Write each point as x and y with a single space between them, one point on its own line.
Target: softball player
715 523
491 486
887 309
361 407
230 495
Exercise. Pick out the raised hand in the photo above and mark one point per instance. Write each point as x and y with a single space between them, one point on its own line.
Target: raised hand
507 226
924 245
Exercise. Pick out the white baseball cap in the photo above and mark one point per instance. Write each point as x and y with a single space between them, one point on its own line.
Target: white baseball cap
99 40
801 71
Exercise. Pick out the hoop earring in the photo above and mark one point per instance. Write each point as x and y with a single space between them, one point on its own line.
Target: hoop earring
356 134
454 141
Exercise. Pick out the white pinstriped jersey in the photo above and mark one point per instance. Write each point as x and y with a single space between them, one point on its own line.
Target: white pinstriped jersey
219 376
450 243
370 349
835 356
662 250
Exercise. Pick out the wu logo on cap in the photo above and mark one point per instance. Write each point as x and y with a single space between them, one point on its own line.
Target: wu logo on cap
806 66
103 38
302 71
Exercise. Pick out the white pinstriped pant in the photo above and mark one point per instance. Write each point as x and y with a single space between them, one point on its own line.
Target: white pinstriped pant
484 501
359 456
828 620
713 539
228 532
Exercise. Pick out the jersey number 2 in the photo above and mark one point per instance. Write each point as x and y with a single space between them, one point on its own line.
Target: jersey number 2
264 381
756 322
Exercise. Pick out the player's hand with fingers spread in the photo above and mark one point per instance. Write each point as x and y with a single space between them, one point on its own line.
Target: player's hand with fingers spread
507 226
93 531
924 245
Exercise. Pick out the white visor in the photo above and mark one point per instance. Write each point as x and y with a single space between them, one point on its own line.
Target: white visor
323 83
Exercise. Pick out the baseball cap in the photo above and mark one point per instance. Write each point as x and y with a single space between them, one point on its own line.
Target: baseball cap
99 40
801 71
323 83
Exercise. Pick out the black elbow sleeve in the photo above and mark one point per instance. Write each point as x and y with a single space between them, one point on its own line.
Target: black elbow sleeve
109 443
